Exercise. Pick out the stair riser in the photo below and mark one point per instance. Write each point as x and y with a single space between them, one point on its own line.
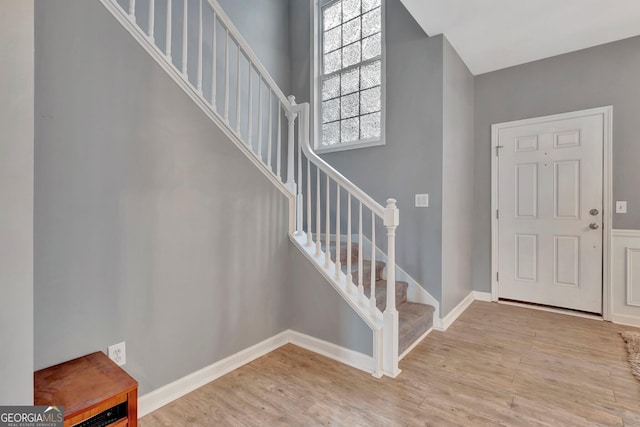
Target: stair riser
381 294
366 276
381 300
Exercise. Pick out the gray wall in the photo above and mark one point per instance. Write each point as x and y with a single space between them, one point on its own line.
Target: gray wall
134 188
319 311
411 160
265 26
16 199
457 179
604 75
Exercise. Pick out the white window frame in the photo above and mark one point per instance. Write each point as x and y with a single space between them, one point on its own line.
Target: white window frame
316 78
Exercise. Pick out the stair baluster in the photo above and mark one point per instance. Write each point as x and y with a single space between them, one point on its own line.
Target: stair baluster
318 213
270 130
152 16
349 279
238 92
291 117
259 152
199 71
279 143
372 283
360 272
309 235
226 77
338 232
214 62
250 109
185 20
327 227
167 39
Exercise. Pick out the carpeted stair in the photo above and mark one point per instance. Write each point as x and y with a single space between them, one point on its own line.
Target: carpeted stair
415 318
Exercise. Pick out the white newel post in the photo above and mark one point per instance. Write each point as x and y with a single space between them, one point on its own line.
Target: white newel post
291 118
291 183
390 316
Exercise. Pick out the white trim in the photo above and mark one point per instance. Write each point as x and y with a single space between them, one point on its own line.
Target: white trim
176 389
607 194
626 320
415 343
161 59
182 386
623 309
361 307
482 296
629 278
316 76
345 146
634 234
332 351
457 311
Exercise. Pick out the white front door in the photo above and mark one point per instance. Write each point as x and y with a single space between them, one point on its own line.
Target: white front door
550 212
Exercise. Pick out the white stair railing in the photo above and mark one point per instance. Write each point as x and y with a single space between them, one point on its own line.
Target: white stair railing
319 183
240 96
236 91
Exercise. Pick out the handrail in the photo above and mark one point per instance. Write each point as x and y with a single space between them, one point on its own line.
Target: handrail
358 193
237 36
386 343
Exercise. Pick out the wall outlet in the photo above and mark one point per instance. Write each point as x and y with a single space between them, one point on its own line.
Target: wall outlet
621 206
118 354
422 200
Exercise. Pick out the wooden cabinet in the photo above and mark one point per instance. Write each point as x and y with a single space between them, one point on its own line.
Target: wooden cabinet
88 386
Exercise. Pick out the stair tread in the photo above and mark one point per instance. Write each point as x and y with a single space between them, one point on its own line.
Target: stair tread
414 320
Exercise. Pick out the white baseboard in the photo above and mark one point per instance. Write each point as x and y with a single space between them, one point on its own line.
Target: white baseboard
172 391
482 296
175 390
340 354
442 324
457 311
623 319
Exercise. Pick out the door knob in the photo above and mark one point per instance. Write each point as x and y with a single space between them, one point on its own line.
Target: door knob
594 212
594 226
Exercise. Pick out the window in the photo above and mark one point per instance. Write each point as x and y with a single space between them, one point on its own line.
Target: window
350 84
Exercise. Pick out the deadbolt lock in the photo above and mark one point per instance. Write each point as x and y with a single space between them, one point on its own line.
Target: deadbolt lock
594 212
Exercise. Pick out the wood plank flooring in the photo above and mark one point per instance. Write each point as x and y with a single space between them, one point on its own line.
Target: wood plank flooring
496 365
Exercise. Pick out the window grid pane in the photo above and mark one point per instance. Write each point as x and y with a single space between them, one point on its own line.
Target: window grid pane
351 100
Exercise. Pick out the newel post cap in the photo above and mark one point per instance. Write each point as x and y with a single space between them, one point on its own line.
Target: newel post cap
391 214
292 100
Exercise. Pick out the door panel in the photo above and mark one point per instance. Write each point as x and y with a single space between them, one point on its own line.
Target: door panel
549 178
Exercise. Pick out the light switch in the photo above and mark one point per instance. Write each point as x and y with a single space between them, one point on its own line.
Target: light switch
422 200
621 206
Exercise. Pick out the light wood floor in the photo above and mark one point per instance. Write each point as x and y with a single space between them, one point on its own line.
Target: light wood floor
496 365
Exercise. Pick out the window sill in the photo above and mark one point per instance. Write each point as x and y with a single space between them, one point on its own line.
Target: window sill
349 146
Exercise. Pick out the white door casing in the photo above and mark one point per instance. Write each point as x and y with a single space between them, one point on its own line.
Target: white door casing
547 179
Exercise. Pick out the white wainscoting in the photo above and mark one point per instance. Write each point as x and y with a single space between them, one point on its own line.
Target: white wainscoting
625 277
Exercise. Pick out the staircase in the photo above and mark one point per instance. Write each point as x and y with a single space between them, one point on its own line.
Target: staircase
415 319
331 221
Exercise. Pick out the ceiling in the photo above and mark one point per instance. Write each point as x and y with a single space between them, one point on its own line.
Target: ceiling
494 34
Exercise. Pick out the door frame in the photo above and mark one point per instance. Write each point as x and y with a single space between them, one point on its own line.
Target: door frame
607 194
